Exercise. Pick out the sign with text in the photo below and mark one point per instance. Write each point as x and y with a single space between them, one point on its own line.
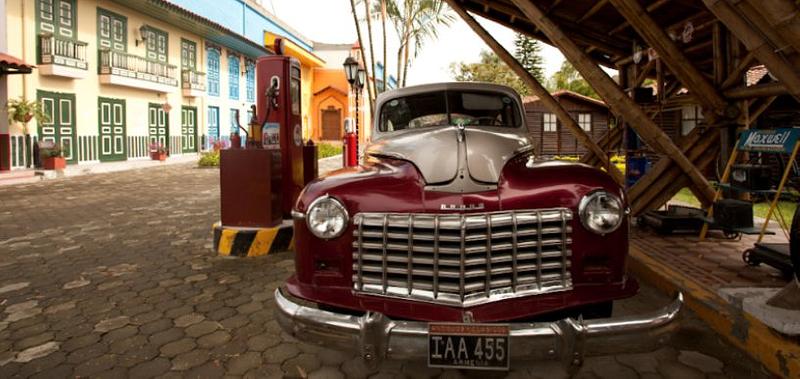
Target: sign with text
769 141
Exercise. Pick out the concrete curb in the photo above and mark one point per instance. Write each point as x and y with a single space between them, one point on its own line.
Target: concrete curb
779 354
252 242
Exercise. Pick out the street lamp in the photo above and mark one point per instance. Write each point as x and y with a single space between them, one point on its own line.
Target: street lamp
357 77
351 69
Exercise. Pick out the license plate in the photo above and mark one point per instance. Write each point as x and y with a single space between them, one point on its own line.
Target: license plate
470 346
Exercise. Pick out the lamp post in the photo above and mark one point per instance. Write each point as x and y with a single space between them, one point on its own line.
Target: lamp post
356 76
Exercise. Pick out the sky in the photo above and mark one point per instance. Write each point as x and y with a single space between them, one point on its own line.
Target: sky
330 21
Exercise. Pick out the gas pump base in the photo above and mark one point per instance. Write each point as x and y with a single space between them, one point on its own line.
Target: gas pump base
252 242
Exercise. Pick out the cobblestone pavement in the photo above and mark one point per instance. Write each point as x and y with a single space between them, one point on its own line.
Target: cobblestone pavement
113 276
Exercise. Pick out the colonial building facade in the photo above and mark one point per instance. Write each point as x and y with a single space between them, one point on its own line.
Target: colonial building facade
116 78
591 114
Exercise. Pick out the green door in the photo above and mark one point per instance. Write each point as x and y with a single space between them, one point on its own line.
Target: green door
112 129
189 129
156 44
60 127
158 123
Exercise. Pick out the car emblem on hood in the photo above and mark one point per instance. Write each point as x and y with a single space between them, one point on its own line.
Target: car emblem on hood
462 207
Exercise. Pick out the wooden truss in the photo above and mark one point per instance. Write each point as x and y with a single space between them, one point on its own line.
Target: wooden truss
698 53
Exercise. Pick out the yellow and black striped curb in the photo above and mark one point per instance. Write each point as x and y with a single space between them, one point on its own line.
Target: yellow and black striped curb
252 242
776 352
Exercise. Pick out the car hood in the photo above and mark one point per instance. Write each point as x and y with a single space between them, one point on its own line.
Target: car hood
448 154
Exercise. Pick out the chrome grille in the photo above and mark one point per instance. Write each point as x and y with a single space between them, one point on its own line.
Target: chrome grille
462 259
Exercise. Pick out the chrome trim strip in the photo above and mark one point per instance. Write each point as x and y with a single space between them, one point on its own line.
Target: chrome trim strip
296 215
385 229
435 256
539 251
514 250
410 275
462 256
360 221
488 280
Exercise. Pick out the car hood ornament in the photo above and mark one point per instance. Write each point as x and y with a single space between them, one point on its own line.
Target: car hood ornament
455 158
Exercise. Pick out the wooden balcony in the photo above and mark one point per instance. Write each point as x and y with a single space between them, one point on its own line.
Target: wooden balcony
63 57
193 83
123 69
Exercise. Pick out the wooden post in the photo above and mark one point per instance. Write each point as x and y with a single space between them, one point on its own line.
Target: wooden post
614 96
725 175
538 89
701 89
780 190
755 43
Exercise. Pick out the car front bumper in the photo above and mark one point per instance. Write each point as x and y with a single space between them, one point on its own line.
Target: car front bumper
376 337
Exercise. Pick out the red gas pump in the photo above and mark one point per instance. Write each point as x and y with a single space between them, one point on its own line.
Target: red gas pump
281 120
260 182
350 144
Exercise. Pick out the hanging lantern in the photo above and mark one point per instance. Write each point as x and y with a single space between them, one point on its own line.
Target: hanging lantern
688 32
637 52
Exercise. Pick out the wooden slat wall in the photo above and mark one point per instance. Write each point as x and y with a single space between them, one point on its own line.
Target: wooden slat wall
563 142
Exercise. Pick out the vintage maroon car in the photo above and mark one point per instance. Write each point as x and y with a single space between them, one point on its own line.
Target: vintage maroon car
452 243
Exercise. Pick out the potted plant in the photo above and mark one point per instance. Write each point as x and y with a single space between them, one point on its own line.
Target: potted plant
22 111
158 152
54 158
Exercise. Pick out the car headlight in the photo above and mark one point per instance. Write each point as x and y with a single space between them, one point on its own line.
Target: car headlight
601 212
326 217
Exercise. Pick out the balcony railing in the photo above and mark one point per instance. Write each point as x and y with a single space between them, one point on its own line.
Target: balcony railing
117 63
62 51
193 80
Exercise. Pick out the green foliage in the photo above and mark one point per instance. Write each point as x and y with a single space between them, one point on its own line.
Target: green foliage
22 111
210 159
529 54
490 69
760 209
415 22
325 150
569 78
53 152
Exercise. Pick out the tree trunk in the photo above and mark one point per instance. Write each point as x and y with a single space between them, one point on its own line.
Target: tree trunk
370 83
360 40
385 62
405 61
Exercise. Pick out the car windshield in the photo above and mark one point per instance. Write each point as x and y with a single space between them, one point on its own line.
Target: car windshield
449 108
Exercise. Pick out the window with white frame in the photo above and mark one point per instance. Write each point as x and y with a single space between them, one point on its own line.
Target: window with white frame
585 121
691 116
549 122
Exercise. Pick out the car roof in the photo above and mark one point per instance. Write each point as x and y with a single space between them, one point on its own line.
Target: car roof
423 88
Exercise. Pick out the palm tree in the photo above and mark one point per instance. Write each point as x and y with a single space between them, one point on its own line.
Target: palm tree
361 49
383 27
370 83
415 22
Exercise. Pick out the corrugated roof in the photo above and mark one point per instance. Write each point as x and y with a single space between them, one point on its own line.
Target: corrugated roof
564 92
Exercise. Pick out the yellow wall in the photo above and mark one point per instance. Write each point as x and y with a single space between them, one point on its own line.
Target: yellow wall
21 29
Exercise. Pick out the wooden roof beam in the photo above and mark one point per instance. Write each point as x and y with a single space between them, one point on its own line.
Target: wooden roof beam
650 8
736 76
538 89
617 100
784 16
593 10
754 42
600 42
677 62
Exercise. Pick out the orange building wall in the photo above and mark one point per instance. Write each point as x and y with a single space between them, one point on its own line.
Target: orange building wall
329 89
